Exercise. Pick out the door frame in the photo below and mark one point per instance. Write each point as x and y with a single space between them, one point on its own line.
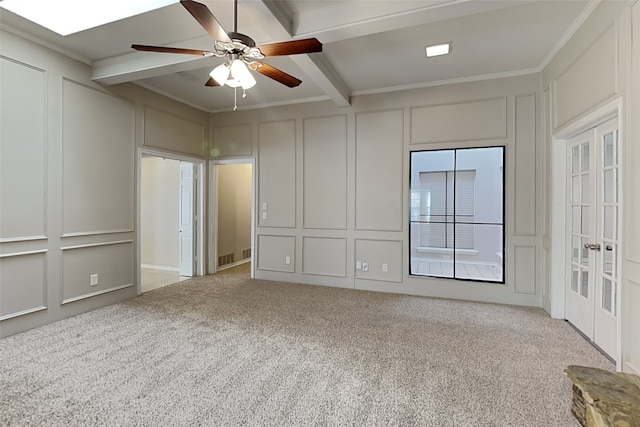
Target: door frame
559 271
213 206
199 175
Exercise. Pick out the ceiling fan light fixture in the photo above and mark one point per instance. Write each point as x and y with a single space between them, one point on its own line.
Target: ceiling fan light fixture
241 75
220 74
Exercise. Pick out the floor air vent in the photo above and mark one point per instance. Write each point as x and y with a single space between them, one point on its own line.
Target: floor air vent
246 253
226 259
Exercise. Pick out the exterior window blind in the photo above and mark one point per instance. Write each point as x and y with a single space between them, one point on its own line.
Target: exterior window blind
438 192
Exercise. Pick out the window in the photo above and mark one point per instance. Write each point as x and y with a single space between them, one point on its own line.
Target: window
457 220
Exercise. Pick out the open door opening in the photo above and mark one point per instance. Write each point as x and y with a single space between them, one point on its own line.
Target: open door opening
168 221
234 217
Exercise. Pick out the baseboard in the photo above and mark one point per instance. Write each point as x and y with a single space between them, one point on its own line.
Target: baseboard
235 264
159 267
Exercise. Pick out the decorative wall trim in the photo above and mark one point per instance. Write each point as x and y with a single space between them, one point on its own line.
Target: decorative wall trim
22 313
22 239
532 263
93 294
96 233
38 251
92 245
400 190
530 229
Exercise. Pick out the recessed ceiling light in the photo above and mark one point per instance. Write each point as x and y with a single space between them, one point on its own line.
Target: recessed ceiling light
71 16
438 49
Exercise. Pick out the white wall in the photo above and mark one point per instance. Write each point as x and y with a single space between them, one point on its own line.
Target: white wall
235 185
336 182
597 68
159 208
67 181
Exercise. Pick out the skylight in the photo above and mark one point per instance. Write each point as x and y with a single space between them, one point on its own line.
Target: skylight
71 16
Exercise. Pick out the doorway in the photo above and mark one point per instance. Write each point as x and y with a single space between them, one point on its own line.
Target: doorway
592 218
233 206
169 202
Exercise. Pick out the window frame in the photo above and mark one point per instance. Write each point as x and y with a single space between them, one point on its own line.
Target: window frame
453 251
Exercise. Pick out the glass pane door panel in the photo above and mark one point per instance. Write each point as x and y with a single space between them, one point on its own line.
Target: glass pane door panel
610 186
575 189
584 283
609 150
584 220
610 260
584 258
609 222
575 219
585 158
576 248
575 278
585 189
575 159
608 296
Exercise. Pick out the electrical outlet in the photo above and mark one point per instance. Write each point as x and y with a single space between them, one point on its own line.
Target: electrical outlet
264 206
264 215
93 280
358 265
365 266
385 267
287 260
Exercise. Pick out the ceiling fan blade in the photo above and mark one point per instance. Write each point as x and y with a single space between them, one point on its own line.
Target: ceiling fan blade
275 74
211 82
209 22
293 47
163 49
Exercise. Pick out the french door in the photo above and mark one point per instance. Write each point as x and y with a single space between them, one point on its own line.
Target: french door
593 216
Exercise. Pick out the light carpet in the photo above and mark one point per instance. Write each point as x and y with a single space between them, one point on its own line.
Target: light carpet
226 350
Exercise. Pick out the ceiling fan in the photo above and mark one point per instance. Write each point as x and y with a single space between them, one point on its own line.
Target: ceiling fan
239 50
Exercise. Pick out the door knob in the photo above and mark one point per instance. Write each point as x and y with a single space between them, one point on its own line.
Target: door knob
592 246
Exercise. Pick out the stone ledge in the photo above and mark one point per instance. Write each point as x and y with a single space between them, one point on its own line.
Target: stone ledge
604 399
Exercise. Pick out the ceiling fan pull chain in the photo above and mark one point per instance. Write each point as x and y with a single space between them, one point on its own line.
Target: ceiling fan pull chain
235 99
244 93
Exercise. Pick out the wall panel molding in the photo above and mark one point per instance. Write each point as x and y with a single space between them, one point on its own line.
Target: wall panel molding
525 208
232 141
462 121
273 259
324 197
524 269
324 256
576 91
23 151
104 129
277 174
113 262
379 170
172 132
23 283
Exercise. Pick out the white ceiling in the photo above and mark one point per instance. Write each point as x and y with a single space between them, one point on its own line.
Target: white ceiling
370 46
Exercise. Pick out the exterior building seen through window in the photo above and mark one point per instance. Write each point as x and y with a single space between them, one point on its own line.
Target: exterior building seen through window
457 214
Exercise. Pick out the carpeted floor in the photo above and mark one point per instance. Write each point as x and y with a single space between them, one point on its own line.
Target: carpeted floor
227 350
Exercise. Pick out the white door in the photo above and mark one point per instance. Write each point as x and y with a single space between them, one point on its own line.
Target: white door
594 241
187 223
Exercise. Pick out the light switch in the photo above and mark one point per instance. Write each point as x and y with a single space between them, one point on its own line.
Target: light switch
93 280
385 267
264 215
287 260
358 265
